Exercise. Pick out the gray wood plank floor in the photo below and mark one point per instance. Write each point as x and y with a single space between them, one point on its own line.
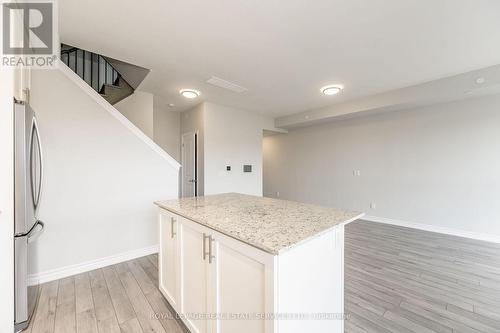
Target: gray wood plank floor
406 280
118 298
396 280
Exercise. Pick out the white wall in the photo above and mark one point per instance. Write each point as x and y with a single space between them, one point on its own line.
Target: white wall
138 108
167 129
437 165
233 137
193 121
101 178
156 120
227 136
6 202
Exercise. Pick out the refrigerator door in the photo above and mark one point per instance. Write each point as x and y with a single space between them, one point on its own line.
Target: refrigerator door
26 293
24 192
21 281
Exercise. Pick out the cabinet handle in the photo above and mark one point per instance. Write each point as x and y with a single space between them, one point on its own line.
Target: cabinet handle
210 255
172 229
205 253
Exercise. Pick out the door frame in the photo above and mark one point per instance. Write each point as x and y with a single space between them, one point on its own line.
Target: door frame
196 187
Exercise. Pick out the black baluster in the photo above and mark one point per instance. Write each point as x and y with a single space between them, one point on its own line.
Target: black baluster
92 70
84 66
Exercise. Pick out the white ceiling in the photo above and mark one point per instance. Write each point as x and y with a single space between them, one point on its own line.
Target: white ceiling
283 51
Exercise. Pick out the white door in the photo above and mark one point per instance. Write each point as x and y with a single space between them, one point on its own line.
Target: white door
194 277
169 258
189 167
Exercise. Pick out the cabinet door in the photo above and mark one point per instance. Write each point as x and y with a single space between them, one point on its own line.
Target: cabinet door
243 283
194 277
169 258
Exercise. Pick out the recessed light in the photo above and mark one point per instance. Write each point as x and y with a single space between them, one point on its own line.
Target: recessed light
332 89
480 80
189 93
171 105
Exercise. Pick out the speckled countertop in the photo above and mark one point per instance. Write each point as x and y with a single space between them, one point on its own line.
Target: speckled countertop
271 225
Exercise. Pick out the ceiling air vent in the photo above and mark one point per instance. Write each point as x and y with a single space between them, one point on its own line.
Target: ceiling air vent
218 82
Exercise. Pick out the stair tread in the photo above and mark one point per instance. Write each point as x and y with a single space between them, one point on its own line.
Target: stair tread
112 86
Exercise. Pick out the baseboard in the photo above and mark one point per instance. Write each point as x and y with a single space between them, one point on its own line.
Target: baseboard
59 273
433 228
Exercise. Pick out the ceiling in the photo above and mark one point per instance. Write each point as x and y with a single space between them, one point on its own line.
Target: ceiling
283 51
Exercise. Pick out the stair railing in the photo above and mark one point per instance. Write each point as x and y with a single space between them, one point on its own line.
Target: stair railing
91 67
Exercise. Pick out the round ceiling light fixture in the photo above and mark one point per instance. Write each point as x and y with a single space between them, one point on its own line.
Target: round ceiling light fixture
332 89
189 93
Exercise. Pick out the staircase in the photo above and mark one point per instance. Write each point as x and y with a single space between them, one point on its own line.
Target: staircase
97 72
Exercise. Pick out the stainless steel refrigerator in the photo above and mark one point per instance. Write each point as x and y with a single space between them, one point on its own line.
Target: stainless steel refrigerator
28 174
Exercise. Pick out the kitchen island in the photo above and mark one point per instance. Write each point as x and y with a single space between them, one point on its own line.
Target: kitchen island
238 263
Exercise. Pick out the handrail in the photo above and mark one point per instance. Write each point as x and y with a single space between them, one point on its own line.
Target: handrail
95 60
69 50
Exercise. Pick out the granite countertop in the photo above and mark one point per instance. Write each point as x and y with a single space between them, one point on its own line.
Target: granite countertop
271 225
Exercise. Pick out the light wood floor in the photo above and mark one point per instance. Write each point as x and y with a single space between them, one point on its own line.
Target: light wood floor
118 298
405 280
397 280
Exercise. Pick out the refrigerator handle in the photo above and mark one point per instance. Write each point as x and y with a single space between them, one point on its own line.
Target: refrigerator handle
36 198
32 235
30 232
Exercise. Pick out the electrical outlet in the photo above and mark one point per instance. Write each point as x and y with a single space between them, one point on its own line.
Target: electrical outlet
373 205
277 194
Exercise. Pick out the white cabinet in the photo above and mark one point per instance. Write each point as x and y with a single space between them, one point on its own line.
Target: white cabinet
212 280
240 288
169 264
195 278
217 273
221 285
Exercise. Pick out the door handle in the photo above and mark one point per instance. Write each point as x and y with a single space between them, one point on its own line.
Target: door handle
210 254
205 253
172 229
